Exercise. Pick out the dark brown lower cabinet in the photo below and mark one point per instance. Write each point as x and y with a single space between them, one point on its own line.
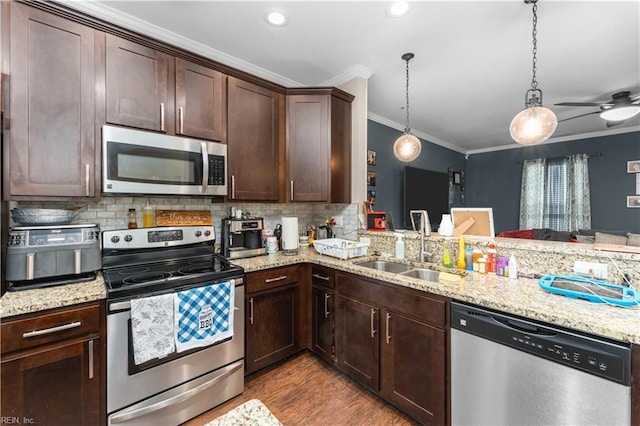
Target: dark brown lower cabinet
323 314
393 341
273 317
53 367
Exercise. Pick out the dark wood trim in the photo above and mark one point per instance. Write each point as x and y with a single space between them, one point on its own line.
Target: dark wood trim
99 24
635 384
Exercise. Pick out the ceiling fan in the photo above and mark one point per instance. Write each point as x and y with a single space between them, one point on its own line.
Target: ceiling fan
621 107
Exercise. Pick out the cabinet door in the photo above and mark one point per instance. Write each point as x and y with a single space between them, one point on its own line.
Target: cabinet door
54 385
308 152
51 116
357 332
414 367
138 81
271 327
253 138
323 323
200 101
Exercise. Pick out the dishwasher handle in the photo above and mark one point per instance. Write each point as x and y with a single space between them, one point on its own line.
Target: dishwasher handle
523 326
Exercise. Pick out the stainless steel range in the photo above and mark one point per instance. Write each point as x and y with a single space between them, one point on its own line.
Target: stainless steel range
143 263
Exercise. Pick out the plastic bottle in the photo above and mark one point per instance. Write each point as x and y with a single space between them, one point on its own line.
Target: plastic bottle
482 265
446 257
132 223
492 259
513 268
148 216
468 259
399 247
477 254
461 254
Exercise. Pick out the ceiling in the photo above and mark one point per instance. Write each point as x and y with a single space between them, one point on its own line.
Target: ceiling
472 65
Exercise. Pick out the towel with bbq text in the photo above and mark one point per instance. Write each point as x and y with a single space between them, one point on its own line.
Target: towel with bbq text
204 315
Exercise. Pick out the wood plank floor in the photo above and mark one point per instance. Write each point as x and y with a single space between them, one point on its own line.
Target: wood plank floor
305 391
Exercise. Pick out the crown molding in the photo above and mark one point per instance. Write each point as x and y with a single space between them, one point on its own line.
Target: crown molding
356 71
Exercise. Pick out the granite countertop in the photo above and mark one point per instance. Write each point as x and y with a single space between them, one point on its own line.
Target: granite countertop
27 301
252 412
521 296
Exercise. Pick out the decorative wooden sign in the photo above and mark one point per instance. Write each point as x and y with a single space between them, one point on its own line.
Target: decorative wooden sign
183 217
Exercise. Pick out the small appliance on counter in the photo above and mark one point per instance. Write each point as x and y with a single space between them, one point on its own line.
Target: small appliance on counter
43 256
242 237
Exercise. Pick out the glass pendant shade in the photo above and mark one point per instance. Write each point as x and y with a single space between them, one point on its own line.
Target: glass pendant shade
620 113
533 125
407 147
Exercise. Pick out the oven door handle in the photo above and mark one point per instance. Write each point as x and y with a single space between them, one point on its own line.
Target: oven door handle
121 418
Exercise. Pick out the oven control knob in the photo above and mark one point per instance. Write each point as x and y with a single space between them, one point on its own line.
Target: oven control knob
207 233
128 238
115 239
198 233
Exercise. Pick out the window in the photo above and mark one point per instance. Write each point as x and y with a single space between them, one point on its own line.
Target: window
555 194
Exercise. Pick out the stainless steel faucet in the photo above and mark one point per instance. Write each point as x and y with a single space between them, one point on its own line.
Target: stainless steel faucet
424 229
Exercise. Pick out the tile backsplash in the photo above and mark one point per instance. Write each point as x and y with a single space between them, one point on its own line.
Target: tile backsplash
111 212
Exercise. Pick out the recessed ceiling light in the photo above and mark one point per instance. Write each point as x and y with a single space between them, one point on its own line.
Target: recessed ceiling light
397 9
276 17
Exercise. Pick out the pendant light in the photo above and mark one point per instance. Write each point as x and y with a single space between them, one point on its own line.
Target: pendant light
534 124
407 147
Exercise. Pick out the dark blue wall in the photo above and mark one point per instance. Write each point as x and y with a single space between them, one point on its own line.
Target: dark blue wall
390 171
493 180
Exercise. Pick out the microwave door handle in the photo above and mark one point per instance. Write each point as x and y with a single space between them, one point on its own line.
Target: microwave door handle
205 167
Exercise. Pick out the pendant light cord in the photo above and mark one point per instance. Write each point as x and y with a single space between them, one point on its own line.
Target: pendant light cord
407 57
534 82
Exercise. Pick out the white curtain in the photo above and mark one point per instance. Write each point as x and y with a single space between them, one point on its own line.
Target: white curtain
532 194
555 194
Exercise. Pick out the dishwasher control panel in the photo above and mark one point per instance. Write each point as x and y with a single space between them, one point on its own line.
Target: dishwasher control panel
604 358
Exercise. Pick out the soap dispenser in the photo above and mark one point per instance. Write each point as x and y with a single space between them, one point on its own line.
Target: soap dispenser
399 247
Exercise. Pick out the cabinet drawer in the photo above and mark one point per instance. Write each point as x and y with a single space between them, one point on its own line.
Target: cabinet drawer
417 304
272 278
323 277
49 327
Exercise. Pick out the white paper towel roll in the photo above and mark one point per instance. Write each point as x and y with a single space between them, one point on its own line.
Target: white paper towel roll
289 238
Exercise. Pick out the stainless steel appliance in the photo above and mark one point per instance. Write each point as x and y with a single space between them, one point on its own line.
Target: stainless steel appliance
42 256
511 371
242 238
173 389
138 162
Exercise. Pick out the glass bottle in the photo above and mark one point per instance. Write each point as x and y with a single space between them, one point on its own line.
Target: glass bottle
132 219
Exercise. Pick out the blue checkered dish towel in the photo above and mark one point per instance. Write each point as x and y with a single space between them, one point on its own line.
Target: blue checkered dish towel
203 315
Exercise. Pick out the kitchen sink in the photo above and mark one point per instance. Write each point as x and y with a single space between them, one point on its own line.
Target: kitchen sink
383 265
422 273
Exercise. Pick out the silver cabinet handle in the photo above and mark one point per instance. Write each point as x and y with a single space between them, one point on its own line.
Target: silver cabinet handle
320 277
205 167
373 330
36 333
291 190
31 257
90 359
181 119
87 179
77 261
162 116
327 296
270 280
251 311
233 186
388 320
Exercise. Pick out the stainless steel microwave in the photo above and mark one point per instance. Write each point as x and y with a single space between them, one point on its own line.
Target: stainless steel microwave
139 162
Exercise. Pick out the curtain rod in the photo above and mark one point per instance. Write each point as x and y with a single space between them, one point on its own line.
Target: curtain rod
589 155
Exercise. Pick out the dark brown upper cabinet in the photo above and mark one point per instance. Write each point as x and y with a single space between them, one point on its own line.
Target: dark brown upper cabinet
139 88
51 149
319 145
255 131
200 101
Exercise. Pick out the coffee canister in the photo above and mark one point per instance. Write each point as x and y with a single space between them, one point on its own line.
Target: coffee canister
272 244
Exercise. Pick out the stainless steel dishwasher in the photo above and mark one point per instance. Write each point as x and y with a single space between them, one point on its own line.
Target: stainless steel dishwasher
510 371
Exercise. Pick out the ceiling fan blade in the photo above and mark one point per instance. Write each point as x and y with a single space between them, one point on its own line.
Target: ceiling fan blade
579 104
577 116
